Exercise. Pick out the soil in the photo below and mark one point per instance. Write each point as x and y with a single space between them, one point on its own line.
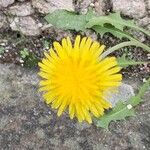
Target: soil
15 42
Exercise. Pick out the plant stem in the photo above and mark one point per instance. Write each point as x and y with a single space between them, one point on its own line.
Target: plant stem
124 44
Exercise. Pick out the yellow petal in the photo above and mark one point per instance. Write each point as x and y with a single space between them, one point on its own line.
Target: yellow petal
62 107
77 42
82 43
88 44
71 111
49 97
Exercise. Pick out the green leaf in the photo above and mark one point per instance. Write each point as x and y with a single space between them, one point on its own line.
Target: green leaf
119 112
124 62
144 88
135 100
2 50
68 20
115 20
110 29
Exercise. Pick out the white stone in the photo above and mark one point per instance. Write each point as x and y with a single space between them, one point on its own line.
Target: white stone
124 92
24 9
132 8
26 25
51 5
84 6
99 5
5 3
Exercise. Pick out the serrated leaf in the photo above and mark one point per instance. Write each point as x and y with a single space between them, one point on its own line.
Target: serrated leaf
119 112
110 29
124 62
115 20
144 88
135 100
68 20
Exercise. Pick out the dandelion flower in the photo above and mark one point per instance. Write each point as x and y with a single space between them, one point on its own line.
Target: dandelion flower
75 77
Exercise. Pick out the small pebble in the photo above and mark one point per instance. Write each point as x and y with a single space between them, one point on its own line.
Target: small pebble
148 56
21 61
2 44
92 5
129 106
40 25
144 80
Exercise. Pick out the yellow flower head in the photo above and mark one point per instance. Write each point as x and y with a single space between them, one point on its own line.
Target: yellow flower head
75 77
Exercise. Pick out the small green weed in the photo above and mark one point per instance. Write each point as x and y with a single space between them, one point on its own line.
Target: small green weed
24 53
2 50
29 58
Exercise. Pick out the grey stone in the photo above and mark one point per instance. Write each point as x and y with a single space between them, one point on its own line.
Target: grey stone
23 9
22 0
26 25
123 93
84 6
138 35
99 6
44 120
40 133
148 4
82 126
51 5
144 21
132 8
93 35
5 3
72 143
3 122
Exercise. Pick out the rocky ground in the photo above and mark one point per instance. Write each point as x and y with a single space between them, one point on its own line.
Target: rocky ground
28 123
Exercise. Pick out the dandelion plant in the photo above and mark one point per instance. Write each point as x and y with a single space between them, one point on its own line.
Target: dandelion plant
75 77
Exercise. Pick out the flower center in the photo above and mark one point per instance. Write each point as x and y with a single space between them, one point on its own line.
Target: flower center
73 78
